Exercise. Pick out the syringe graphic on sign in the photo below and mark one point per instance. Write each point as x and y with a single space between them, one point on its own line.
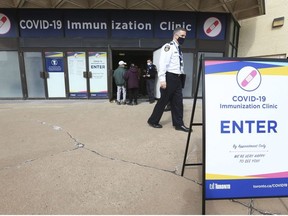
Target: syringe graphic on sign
211 27
2 21
248 79
5 24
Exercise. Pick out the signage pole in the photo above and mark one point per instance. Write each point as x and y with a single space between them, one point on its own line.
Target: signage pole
189 134
192 118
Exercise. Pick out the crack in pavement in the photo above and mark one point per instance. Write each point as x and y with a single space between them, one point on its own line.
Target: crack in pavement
251 208
79 145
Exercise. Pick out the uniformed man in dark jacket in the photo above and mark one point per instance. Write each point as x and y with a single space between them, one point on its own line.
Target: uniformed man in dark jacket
171 67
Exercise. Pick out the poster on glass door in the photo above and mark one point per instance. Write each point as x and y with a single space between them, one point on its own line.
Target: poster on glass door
98 68
56 80
76 67
246 128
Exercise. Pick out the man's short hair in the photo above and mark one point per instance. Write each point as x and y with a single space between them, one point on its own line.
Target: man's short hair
178 29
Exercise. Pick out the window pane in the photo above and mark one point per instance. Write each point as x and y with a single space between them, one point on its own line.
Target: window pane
188 58
231 32
33 67
230 54
236 33
10 82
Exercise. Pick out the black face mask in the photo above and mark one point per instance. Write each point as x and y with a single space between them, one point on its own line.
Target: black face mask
180 40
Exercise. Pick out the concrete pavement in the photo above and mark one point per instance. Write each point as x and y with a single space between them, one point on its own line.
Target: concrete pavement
96 157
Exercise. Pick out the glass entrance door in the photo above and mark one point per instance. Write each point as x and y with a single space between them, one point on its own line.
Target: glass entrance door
77 74
87 80
45 77
98 71
33 68
54 74
45 73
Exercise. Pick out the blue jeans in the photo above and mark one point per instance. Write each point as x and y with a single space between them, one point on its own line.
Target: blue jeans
121 89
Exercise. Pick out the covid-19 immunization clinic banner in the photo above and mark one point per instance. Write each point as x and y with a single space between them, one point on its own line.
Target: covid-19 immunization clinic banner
246 128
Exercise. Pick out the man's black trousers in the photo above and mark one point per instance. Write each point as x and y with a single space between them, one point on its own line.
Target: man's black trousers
172 93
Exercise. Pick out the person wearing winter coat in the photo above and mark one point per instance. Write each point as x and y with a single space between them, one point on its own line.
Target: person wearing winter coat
132 78
120 82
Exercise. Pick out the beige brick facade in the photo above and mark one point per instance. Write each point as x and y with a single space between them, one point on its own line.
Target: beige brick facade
259 39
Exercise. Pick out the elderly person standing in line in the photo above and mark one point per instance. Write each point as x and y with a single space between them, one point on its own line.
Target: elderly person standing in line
120 82
132 78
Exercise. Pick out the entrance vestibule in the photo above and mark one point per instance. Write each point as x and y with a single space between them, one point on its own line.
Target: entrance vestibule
137 57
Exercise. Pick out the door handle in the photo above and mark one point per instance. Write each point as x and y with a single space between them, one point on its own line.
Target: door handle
84 74
89 74
44 75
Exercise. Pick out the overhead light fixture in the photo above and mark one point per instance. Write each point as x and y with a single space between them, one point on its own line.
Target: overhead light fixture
278 22
121 54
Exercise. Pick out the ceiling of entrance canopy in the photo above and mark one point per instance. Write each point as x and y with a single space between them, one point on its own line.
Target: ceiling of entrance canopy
240 9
